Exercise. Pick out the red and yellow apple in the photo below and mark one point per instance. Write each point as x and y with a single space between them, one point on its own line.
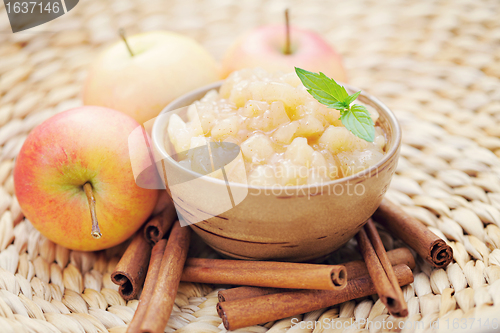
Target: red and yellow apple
80 152
264 47
164 66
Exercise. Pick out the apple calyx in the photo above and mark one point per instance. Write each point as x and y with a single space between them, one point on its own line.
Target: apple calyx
287 49
96 232
121 32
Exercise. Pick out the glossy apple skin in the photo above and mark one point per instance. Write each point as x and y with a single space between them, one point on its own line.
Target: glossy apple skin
86 144
263 47
165 66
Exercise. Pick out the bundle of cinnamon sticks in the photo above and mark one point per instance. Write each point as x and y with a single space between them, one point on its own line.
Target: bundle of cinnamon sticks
130 272
272 290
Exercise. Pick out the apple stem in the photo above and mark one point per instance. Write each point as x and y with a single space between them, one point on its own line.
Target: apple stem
96 232
122 35
287 36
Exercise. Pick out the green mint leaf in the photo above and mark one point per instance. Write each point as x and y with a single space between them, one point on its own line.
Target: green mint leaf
338 105
355 118
322 88
358 120
351 98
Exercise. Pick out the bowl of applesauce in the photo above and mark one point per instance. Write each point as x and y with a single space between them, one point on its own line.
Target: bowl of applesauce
261 170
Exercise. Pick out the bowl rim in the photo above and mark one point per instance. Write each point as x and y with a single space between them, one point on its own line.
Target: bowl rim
180 102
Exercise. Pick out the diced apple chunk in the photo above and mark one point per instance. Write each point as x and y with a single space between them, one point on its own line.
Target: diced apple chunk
320 169
195 127
240 94
276 91
291 79
285 133
333 168
175 123
355 162
373 113
318 160
299 152
271 118
225 127
197 141
333 117
309 127
380 140
339 139
210 96
257 149
207 121
278 114
192 112
254 108
236 171
194 123
262 175
289 173
200 160
178 133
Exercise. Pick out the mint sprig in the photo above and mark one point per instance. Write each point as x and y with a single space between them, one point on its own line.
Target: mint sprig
356 118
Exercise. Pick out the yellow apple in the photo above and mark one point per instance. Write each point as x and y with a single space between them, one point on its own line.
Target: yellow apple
264 47
164 66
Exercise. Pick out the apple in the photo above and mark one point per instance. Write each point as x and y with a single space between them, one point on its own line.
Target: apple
74 181
265 47
159 67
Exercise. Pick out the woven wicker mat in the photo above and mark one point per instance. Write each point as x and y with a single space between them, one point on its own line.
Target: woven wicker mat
435 63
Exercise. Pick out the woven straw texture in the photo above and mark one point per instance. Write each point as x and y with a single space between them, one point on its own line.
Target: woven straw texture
435 63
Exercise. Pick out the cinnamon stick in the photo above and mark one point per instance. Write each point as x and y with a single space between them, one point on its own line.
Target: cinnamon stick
252 311
313 278
161 304
250 264
163 201
396 257
381 271
234 294
354 269
156 228
265 274
130 271
414 233
149 285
